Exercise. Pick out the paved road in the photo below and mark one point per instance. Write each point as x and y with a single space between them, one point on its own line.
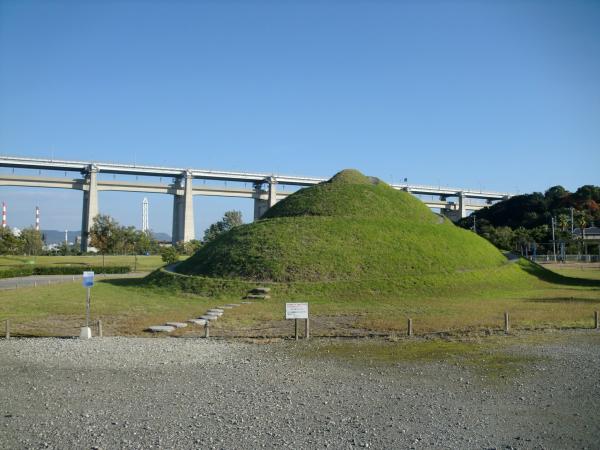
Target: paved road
44 280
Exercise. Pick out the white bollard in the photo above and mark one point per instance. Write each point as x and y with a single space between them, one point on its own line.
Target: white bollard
86 333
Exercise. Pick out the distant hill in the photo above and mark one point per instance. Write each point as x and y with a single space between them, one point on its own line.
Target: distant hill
162 237
58 237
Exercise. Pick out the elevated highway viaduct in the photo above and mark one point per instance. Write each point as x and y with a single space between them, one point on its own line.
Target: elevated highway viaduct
264 191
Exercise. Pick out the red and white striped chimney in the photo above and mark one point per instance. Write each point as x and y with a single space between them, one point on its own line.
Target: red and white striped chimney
37 218
3 215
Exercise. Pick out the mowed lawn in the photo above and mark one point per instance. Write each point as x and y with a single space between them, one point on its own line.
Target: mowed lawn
540 305
126 307
577 270
139 263
123 307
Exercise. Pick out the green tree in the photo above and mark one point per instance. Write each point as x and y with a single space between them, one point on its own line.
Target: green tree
582 223
145 243
501 237
103 234
124 240
563 222
191 247
9 243
231 219
31 239
66 249
169 255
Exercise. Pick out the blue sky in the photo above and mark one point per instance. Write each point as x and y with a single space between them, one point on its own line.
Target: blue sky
496 95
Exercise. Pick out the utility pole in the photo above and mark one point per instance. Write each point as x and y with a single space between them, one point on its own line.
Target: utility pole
572 224
553 239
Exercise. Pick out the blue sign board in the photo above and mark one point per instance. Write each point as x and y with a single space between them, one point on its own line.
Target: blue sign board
88 279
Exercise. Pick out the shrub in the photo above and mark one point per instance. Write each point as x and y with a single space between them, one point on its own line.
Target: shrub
24 271
169 255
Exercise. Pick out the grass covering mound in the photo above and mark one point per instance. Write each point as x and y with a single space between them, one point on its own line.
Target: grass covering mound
350 228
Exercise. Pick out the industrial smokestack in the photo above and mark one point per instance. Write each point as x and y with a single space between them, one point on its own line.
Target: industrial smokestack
37 218
145 224
3 215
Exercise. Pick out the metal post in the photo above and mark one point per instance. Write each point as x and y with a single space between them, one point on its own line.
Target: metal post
506 323
296 328
206 327
553 239
87 309
7 328
410 327
306 329
99 328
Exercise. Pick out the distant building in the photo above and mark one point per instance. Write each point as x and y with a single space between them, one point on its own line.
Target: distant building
589 234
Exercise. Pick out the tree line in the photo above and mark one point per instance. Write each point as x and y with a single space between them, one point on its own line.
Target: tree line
525 221
27 242
111 238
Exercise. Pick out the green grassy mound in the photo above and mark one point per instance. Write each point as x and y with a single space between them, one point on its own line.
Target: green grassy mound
352 228
478 283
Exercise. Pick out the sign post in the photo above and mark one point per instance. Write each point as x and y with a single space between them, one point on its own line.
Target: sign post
297 311
87 282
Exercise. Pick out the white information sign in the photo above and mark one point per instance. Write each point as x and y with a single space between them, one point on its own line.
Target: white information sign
88 279
296 310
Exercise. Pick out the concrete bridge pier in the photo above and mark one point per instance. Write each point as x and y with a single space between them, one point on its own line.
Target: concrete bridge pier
90 205
260 206
183 210
462 205
272 191
177 232
454 211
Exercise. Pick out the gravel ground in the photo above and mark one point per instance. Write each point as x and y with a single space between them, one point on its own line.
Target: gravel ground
193 393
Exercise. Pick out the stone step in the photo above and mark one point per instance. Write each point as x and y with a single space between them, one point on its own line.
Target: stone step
176 324
161 329
208 317
216 311
258 296
225 307
232 305
246 303
200 322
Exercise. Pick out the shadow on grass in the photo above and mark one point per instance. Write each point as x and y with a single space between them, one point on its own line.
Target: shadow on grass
552 277
126 282
564 300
